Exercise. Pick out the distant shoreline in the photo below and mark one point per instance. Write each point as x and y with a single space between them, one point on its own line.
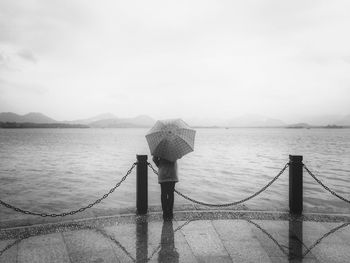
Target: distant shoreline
29 125
109 120
270 127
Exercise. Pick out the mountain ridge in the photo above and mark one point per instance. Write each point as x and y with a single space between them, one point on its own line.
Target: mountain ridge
102 116
109 120
32 117
138 121
255 120
105 120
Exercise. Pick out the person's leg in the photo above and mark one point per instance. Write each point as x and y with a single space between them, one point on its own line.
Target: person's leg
163 198
171 198
167 199
167 204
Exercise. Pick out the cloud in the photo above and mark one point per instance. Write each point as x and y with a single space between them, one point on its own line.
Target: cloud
38 25
12 60
178 57
12 87
27 55
5 61
346 59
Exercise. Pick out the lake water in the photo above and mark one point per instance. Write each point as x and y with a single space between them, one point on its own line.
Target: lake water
56 170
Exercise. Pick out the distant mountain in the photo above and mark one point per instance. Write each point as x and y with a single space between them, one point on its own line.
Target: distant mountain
112 123
103 116
109 120
254 121
32 117
320 120
106 120
205 122
299 125
9 117
24 125
142 120
139 121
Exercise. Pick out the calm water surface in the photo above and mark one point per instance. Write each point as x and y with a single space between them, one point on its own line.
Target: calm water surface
55 170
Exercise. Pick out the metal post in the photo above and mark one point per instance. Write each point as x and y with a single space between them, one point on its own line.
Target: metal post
141 185
296 184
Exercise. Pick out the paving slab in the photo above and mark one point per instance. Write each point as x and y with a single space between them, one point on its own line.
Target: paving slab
88 246
240 242
205 242
122 241
125 237
325 242
344 232
273 241
42 249
10 254
165 248
193 236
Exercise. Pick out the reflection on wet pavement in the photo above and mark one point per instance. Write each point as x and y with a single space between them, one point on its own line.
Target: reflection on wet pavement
147 239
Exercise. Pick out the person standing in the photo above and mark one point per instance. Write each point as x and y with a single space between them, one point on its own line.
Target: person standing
167 177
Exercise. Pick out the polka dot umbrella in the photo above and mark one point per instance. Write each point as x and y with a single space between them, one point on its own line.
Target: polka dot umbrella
171 139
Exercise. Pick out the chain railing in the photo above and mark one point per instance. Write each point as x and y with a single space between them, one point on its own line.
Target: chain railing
27 212
324 186
228 204
20 210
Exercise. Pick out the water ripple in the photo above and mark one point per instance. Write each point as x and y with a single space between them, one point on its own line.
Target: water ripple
62 169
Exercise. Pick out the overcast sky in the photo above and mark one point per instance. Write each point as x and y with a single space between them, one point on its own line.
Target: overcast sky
73 59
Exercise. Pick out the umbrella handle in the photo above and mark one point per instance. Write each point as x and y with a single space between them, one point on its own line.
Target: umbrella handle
156 160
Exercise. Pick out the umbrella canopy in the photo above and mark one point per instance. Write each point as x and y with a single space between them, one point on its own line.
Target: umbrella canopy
171 139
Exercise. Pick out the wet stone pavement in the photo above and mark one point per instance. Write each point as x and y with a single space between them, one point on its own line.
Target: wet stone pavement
193 236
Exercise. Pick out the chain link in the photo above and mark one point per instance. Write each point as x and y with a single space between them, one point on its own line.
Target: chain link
153 169
74 211
324 186
233 203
